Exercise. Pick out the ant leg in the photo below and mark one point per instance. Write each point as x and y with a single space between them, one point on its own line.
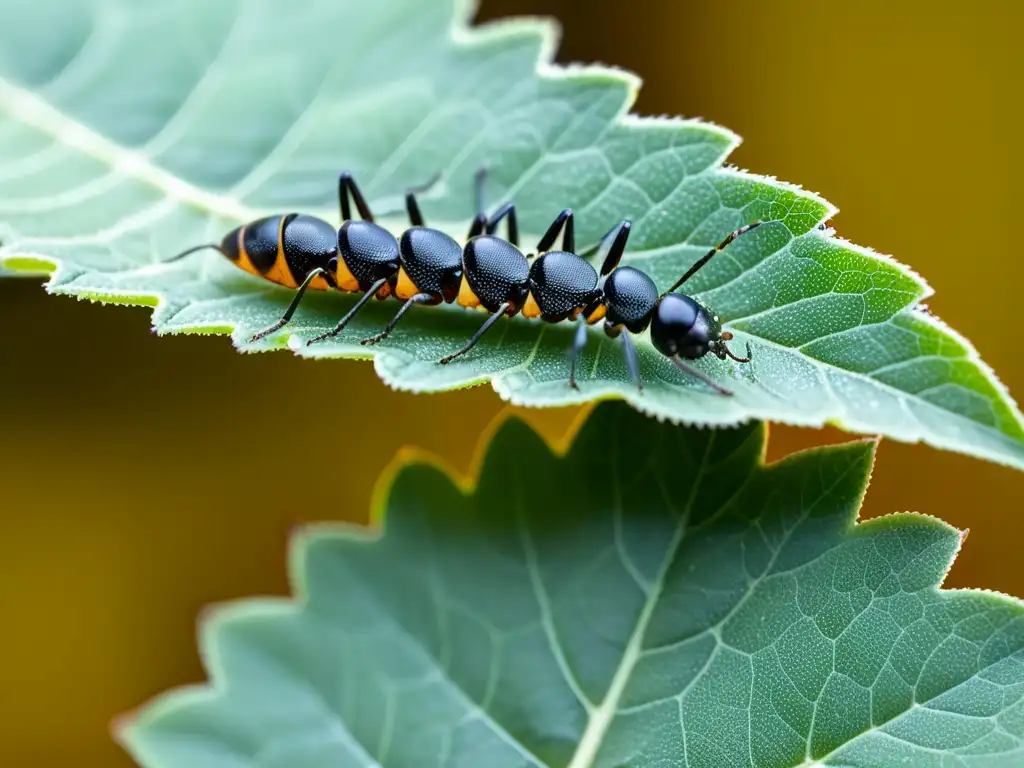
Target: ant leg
703 377
411 206
476 336
413 209
564 219
613 245
419 298
426 186
508 210
479 224
482 224
347 186
351 313
291 307
707 256
632 360
600 244
579 341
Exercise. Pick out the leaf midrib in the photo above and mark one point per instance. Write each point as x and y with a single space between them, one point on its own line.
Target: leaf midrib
602 716
451 684
38 113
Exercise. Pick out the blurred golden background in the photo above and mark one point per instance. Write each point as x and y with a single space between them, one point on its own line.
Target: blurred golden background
139 481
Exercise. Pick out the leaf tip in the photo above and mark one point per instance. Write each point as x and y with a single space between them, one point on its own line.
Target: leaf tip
828 209
930 531
925 289
121 726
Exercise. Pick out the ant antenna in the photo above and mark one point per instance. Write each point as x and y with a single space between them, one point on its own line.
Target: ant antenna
729 353
611 246
726 336
195 249
707 256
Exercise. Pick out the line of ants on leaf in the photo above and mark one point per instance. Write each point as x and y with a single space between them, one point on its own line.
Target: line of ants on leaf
427 266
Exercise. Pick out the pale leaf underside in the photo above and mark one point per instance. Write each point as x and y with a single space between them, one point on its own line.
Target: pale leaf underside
657 597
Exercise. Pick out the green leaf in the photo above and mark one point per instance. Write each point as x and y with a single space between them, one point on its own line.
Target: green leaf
655 597
131 131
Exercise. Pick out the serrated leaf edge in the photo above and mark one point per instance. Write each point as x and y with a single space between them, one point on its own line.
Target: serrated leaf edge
39 113
217 617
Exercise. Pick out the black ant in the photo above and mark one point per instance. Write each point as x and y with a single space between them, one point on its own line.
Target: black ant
427 266
564 285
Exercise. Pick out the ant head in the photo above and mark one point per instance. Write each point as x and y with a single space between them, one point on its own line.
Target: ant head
682 326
